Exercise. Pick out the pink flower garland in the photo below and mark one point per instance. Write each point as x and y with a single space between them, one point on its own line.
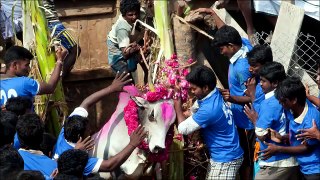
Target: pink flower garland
171 75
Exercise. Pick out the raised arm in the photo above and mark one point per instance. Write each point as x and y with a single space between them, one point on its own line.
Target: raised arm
185 126
117 85
216 18
48 88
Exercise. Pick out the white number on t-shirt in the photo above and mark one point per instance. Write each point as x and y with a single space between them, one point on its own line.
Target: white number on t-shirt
227 112
5 96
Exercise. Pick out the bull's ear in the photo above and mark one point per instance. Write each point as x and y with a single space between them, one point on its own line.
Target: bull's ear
139 101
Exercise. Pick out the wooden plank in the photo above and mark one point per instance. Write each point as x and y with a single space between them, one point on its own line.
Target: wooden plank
85 10
285 37
89 74
286 33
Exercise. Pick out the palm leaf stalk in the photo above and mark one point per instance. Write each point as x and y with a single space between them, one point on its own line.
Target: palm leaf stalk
45 56
164 31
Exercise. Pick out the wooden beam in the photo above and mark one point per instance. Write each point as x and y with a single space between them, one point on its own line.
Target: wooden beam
89 74
85 10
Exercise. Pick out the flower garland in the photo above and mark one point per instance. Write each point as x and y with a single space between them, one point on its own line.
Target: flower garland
172 74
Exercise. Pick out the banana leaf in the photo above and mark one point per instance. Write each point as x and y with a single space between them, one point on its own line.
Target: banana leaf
36 38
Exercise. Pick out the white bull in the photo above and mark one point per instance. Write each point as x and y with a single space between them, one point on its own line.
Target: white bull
156 117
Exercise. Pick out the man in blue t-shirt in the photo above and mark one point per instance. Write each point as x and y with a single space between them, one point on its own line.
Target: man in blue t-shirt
257 58
271 116
214 119
76 126
71 164
15 82
30 133
291 94
236 48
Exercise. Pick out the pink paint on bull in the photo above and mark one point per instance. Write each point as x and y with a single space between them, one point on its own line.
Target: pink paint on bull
113 137
167 112
124 97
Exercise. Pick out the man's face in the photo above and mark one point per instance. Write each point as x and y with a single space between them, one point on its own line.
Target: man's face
286 103
227 50
318 77
197 91
22 67
131 16
255 68
266 85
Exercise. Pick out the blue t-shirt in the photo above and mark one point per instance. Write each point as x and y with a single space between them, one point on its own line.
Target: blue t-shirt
272 116
17 86
259 97
238 75
38 162
62 146
309 162
218 128
16 142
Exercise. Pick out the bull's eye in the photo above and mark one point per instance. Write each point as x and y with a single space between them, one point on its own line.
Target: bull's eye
151 116
142 108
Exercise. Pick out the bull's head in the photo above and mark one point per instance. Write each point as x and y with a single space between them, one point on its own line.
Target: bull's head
156 117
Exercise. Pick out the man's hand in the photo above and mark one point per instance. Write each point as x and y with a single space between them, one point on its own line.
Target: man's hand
251 113
119 81
225 94
205 10
61 53
137 136
85 145
251 85
307 90
270 151
54 173
275 136
312 133
177 103
132 48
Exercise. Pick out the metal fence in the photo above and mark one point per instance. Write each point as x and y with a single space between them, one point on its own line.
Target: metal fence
303 59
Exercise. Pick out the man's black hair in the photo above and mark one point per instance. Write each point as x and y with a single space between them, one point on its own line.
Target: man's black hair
129 5
10 162
30 131
318 62
30 175
61 176
18 105
225 35
8 121
260 54
16 53
202 76
47 144
74 128
9 117
291 88
73 162
273 72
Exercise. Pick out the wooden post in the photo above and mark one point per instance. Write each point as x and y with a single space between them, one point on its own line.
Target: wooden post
285 37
